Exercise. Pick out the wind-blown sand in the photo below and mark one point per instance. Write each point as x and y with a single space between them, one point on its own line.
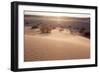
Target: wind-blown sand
55 46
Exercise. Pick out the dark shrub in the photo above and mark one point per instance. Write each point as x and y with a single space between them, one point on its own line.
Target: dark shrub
34 27
82 30
87 34
45 29
61 29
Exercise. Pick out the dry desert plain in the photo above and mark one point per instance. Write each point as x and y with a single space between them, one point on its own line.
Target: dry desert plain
54 46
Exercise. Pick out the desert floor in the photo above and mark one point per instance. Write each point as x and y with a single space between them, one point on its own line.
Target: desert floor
54 46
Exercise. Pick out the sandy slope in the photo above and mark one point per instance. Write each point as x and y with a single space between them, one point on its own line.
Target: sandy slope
55 46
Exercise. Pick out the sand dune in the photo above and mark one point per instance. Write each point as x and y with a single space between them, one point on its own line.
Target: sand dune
55 46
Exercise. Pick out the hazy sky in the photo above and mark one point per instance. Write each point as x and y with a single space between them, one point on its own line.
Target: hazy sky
69 14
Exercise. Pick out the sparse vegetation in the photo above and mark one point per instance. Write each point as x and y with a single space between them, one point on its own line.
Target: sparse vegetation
34 27
61 29
43 24
45 29
82 30
86 34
